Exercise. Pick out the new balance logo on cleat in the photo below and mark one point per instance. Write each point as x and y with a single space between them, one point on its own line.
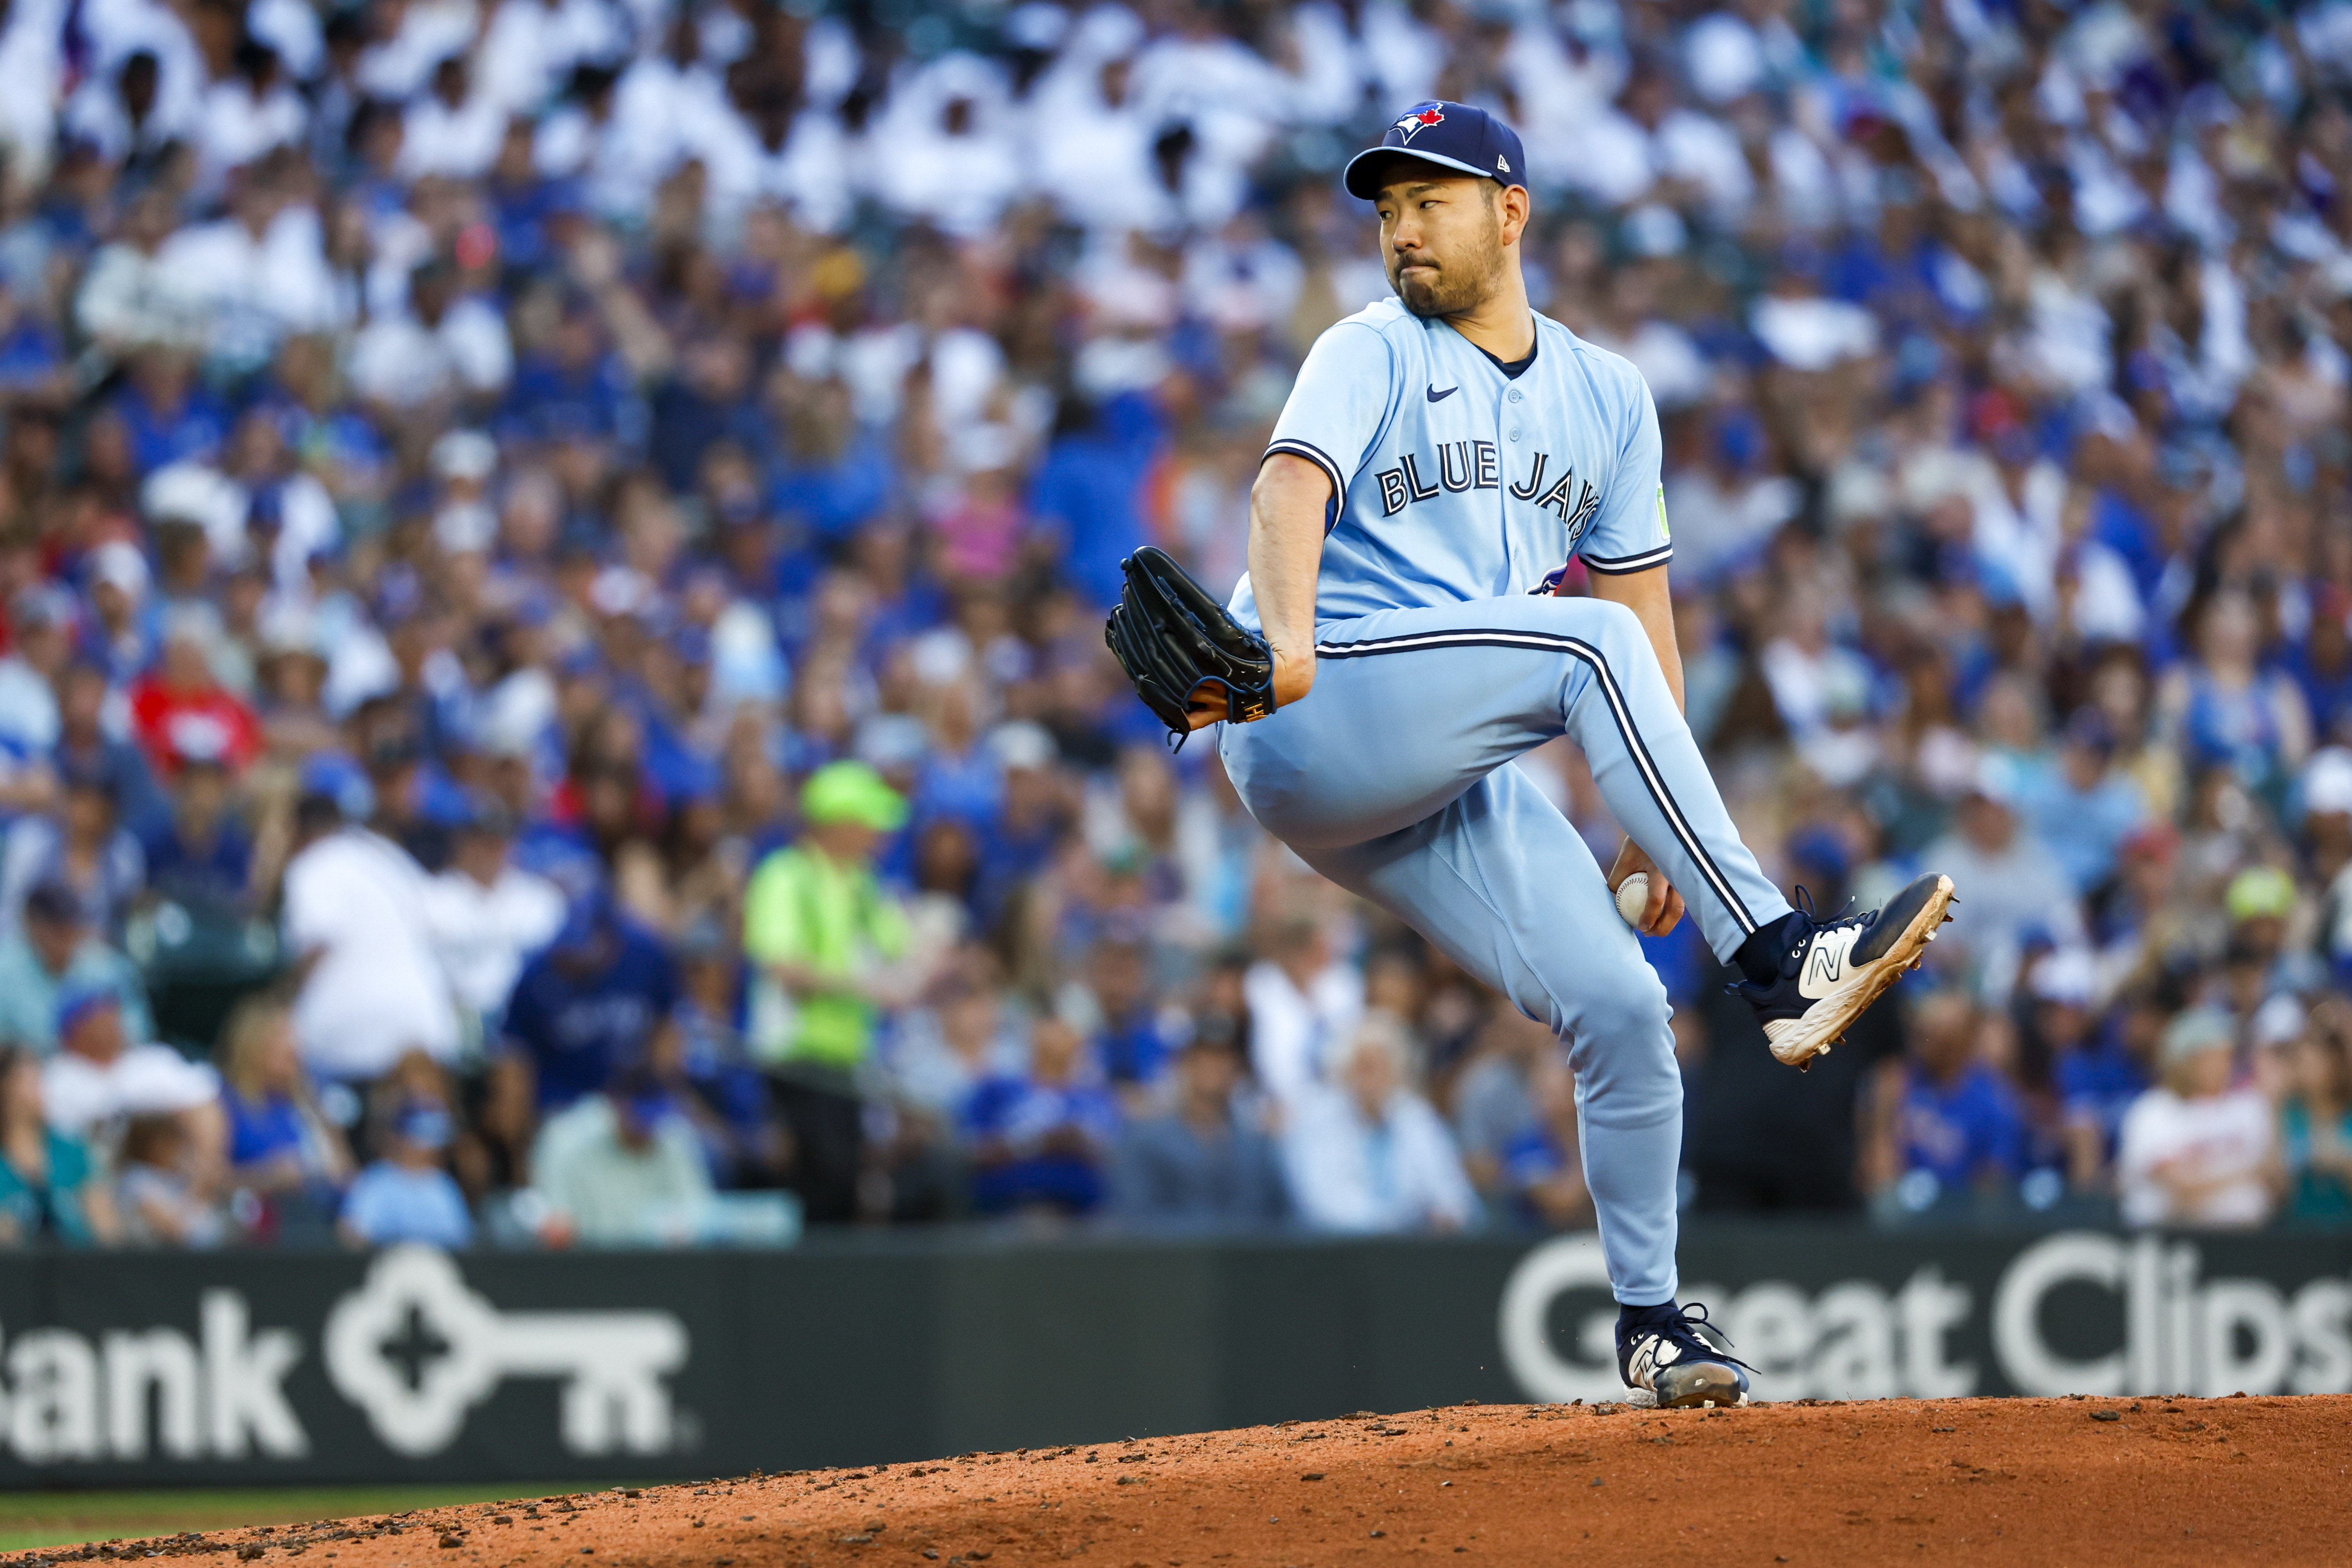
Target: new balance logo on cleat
1836 969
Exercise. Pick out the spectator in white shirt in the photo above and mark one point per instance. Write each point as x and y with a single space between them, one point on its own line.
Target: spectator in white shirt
943 153
128 298
250 111
2194 1150
1365 1153
488 915
530 45
1302 1003
445 347
132 110
624 1168
372 987
453 130
259 273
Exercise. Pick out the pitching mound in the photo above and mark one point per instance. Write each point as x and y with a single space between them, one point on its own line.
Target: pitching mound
2204 1482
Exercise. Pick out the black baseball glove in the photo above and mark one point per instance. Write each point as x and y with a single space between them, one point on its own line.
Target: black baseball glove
1171 637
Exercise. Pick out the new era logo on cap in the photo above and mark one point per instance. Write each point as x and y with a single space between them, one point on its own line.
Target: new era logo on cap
1454 135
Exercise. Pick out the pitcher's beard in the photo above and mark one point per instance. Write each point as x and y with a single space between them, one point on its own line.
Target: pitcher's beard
1447 291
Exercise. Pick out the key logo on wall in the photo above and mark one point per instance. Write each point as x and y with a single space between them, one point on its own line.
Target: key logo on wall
613 1364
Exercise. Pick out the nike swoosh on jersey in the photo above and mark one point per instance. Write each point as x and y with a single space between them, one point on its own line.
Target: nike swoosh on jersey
1437 397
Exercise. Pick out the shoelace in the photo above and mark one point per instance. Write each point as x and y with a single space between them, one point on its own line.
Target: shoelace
1815 925
1683 1327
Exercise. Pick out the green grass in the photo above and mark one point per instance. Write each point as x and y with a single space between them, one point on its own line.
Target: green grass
68 1518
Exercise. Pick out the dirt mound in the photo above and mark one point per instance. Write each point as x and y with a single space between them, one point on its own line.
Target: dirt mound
2108 1481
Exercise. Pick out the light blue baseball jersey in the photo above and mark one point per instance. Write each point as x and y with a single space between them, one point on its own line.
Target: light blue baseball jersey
1455 481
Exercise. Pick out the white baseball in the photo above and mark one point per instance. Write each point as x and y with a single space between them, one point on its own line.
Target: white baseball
1634 897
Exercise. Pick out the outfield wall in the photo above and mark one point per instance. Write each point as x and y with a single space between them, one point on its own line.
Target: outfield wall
131 1369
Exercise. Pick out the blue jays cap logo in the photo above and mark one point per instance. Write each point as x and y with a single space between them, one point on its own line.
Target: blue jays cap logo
1418 120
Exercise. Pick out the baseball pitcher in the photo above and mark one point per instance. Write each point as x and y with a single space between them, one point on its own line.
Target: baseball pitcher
1398 642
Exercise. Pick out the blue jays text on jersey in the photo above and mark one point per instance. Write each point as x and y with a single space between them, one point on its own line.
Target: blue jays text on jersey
1476 466
1453 479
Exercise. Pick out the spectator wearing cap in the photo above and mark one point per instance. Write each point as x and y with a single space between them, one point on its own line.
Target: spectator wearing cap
624 1168
408 1195
81 847
587 1007
2324 796
2258 962
823 935
1364 1153
55 949
1204 1162
2086 807
2196 1151
372 987
98 1079
487 914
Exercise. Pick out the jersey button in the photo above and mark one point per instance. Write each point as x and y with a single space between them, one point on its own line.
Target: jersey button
1515 432
1515 394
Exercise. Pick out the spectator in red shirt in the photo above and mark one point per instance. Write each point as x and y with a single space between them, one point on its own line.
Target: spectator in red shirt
181 710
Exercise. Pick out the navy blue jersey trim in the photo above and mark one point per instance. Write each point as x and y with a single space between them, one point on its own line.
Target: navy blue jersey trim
1624 563
1322 460
1619 710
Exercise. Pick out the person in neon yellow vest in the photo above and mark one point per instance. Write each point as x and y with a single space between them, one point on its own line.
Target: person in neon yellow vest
822 936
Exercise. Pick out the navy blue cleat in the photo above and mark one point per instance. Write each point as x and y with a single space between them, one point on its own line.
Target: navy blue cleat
1671 1351
1832 970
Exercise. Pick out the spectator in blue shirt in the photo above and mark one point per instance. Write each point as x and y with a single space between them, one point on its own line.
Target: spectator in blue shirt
281 1148
1038 1142
1089 489
203 855
835 475
589 1005
1206 1163
2098 1082
1543 1168
407 1195
170 417
1132 1042
2086 807
1956 1124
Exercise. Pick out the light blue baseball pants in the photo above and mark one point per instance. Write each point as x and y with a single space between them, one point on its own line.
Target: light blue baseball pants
1393 778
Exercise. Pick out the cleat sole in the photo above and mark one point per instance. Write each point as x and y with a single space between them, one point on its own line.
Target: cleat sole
1796 1042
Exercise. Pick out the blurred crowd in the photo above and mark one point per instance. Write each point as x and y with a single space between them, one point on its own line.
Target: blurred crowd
552 555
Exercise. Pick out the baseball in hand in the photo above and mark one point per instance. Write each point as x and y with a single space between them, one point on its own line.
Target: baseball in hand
1634 897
